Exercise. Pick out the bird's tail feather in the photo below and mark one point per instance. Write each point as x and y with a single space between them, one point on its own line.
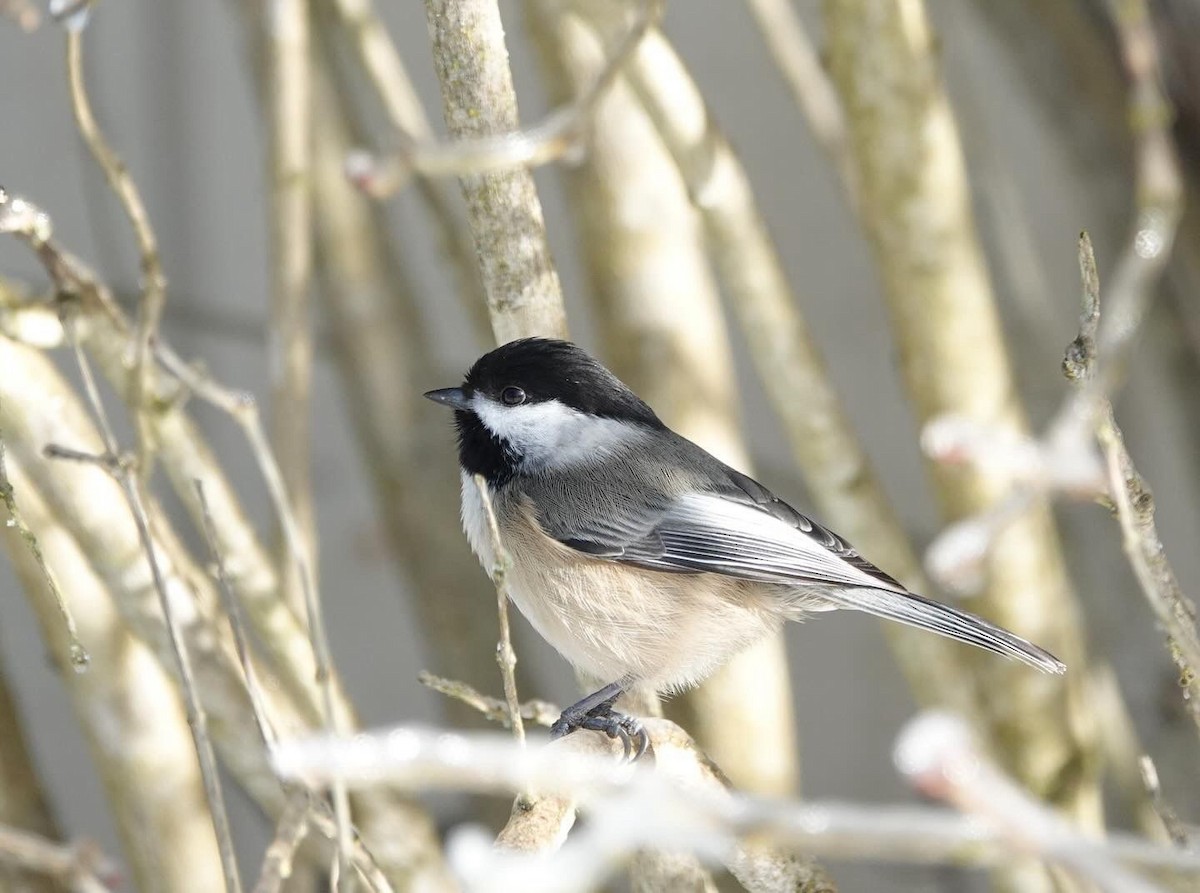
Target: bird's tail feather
927 614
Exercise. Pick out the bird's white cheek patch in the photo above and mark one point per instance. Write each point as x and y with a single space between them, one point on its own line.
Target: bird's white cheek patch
549 433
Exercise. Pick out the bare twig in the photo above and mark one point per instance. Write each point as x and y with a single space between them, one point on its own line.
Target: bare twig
79 655
154 283
315 810
289 832
289 337
800 64
560 134
493 709
243 410
131 485
76 867
938 755
505 656
523 292
1179 833
234 614
1132 498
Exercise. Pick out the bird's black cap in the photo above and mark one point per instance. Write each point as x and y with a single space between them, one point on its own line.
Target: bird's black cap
549 369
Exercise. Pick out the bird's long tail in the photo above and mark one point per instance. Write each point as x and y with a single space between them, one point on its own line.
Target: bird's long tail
927 614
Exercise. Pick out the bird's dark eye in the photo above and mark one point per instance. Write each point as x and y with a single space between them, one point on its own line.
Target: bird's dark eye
513 396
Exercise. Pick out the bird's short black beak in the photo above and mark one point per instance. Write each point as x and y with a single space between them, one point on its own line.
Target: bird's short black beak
452 397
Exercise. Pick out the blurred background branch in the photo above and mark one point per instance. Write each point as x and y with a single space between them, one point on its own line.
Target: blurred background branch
805 288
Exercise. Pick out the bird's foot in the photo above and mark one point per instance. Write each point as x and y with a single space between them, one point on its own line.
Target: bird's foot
614 724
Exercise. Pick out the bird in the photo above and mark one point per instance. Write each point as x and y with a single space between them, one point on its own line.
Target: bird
639 556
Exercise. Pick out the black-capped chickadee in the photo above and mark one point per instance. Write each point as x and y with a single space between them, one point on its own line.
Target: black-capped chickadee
636 554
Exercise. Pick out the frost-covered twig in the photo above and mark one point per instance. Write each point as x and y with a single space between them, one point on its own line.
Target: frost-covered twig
1065 456
939 756
680 803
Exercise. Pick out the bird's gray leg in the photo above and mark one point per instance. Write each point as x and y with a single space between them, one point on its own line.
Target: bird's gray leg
596 713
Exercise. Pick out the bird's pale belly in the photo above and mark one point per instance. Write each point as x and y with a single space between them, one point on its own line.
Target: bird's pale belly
666 630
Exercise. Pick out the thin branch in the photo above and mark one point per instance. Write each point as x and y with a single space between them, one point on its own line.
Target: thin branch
315 810
542 713
290 831
799 61
242 408
154 283
505 656
560 134
77 867
1132 498
1180 834
289 334
79 654
233 613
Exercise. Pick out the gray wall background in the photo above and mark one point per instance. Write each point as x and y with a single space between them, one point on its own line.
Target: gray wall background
172 90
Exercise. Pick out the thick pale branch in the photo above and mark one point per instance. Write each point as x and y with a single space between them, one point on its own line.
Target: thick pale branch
664 333
128 708
916 208
523 292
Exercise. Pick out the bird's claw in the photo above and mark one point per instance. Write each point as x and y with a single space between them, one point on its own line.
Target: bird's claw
612 723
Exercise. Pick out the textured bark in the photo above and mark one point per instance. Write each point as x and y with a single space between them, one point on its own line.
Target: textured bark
523 292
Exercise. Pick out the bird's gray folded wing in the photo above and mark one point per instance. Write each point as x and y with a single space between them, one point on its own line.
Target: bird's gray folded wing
740 536
729 534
